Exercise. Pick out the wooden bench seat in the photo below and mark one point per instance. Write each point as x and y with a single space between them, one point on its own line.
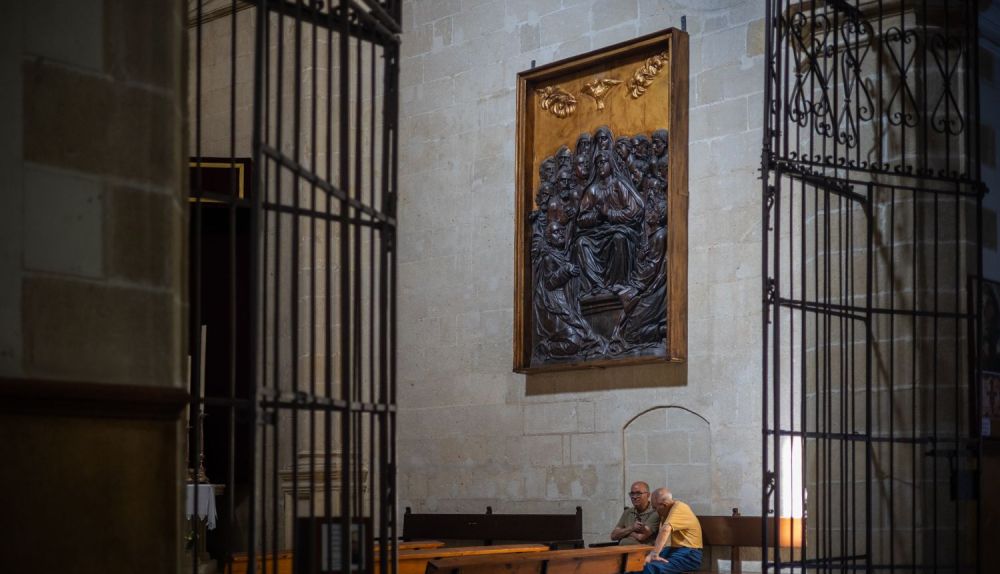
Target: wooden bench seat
608 560
556 530
415 561
413 556
413 545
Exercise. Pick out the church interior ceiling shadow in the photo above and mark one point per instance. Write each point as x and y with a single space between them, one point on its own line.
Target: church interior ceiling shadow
601 214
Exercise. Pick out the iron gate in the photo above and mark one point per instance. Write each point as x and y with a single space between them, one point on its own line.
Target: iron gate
297 103
872 243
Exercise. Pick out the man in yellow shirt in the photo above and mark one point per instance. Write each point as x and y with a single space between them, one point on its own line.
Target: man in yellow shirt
678 546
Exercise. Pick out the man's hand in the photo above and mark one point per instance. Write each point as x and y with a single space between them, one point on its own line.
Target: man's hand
654 557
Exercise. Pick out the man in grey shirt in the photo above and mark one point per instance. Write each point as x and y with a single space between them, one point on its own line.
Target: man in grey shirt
639 524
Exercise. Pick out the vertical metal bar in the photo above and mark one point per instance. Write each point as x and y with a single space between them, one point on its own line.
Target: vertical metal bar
776 360
357 315
233 198
803 552
196 411
347 394
892 374
913 377
392 104
296 264
328 289
313 297
372 417
386 535
975 312
765 292
869 372
258 292
278 200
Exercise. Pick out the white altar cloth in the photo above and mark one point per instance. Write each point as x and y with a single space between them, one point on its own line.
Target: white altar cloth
206 504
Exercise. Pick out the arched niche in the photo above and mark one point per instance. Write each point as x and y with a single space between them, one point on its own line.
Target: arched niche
670 445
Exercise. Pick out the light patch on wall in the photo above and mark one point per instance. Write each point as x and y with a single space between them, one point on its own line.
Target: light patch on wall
793 494
63 221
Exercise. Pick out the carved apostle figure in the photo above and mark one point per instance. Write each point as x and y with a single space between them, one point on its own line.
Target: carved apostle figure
608 228
623 147
546 179
560 330
538 217
637 170
641 147
660 144
585 146
564 159
604 140
563 205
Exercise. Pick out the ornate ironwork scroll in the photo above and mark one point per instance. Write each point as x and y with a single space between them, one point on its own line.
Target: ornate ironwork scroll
602 227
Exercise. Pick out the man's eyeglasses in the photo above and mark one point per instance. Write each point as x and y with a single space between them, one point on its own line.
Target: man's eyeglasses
636 494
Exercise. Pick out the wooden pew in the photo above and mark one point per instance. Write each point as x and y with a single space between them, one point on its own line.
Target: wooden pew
739 531
283 565
607 560
553 529
408 557
415 561
413 545
734 531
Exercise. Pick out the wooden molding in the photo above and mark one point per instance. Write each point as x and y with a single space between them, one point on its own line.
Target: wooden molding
90 400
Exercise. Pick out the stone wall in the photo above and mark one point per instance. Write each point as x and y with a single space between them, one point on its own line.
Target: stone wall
92 284
91 267
471 432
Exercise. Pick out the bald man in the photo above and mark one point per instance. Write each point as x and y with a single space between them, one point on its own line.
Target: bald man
678 545
639 524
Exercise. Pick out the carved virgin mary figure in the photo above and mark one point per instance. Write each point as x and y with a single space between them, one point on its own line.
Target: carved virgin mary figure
608 227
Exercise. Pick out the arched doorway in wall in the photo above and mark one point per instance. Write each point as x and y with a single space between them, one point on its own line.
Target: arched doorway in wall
670 445
293 270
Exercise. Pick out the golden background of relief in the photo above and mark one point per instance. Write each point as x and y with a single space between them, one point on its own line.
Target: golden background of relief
622 113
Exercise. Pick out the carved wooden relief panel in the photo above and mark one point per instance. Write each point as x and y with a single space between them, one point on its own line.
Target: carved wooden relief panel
601 246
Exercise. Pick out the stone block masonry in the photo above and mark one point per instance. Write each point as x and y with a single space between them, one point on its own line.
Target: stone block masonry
547 443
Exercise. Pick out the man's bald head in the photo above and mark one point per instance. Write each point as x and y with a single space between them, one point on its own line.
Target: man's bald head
662 500
663 494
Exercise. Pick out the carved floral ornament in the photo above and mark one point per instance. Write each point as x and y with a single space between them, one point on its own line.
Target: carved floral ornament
562 104
643 76
557 101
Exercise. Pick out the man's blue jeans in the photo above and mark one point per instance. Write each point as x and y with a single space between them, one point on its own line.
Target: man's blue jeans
679 560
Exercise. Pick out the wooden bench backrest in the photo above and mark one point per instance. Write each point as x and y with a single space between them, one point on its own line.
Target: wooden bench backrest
606 560
747 531
491 527
730 530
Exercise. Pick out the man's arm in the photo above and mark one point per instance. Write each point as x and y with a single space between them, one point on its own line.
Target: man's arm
623 528
621 532
646 528
661 540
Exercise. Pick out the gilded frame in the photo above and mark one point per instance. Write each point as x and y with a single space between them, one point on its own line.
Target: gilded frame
623 61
